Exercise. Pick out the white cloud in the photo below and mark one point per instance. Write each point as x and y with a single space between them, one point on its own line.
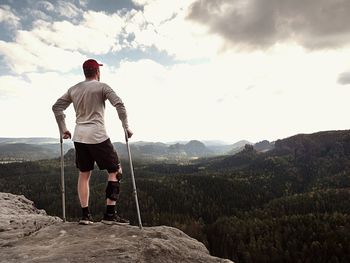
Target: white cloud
29 53
97 33
11 86
8 17
163 24
230 96
211 100
204 101
30 108
141 2
55 46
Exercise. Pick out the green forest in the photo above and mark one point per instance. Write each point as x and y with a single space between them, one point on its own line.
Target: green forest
290 204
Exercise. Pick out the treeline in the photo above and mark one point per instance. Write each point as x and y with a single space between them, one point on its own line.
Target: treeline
291 204
292 238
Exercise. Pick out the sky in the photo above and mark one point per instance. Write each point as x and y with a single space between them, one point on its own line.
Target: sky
188 69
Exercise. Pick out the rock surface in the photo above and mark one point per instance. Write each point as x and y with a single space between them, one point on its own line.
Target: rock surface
19 218
29 235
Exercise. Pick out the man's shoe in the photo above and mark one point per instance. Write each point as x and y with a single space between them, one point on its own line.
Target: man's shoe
86 220
114 219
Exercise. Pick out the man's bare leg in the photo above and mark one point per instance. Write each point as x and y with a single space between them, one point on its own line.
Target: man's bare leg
83 188
83 192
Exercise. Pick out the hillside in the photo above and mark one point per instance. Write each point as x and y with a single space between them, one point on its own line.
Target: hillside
29 140
289 204
30 152
32 149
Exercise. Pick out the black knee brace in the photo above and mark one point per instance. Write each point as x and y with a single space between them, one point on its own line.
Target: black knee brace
112 190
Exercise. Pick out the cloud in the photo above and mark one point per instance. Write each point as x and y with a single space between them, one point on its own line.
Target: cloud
160 24
314 24
97 33
344 78
67 9
141 2
32 10
8 17
83 3
163 24
28 53
45 5
58 45
30 102
11 86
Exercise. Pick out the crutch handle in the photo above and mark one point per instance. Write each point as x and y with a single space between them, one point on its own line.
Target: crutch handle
126 135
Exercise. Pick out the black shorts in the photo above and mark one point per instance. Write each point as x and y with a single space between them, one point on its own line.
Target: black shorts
102 153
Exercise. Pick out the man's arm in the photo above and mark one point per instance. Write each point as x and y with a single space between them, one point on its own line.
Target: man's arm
116 101
60 105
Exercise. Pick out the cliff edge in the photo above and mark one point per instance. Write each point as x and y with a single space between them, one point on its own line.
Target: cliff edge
29 235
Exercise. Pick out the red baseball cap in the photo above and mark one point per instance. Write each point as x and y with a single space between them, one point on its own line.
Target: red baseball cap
91 64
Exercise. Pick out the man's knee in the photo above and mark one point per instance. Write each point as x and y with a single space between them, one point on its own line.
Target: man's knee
117 169
112 190
84 175
112 176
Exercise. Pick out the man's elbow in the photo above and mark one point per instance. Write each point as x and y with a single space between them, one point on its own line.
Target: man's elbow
54 108
57 110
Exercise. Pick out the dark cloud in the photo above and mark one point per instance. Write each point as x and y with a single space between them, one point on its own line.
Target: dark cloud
261 23
344 78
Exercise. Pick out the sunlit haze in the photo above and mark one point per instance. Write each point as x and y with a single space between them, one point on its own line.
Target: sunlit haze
187 69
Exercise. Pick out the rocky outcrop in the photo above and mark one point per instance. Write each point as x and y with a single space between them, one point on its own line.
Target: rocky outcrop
19 218
29 235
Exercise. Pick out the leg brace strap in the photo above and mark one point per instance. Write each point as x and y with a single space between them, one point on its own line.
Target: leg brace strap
112 190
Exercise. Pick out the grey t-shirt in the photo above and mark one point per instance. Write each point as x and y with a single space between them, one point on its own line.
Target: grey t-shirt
88 98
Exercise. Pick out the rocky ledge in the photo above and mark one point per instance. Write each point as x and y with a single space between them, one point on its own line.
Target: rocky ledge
29 235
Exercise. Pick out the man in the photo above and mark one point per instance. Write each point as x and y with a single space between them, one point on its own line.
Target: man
91 141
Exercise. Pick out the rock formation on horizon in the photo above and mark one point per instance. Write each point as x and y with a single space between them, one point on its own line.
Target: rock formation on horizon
29 235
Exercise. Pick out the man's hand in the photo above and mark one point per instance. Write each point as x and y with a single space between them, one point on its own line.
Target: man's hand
67 135
130 133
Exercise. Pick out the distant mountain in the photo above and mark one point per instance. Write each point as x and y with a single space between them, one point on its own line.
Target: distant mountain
217 147
30 152
44 148
304 148
162 151
193 148
197 148
264 146
319 144
238 146
210 143
31 148
29 140
223 149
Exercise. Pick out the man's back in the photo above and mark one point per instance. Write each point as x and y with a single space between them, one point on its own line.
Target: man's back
88 98
88 102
